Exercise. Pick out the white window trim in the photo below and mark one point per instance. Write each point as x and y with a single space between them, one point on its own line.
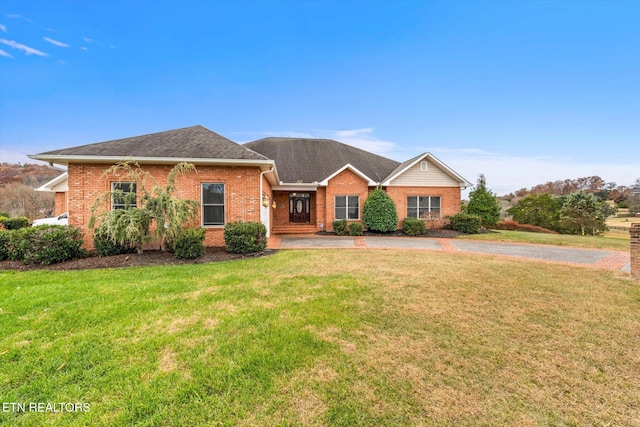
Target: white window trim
346 207
122 206
224 205
424 166
417 208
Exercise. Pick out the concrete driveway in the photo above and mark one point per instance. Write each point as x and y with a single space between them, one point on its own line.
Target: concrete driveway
611 260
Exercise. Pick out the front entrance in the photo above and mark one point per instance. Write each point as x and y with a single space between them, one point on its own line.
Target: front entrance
299 208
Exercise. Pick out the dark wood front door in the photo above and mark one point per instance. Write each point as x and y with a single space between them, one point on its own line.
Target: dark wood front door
299 208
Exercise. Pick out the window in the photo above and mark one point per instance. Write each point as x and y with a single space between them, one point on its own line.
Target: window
424 166
123 195
213 204
423 206
347 207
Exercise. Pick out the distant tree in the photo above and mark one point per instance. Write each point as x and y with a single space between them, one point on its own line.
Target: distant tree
634 198
483 202
583 213
21 200
541 210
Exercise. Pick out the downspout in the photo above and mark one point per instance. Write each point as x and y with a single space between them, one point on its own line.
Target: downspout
263 173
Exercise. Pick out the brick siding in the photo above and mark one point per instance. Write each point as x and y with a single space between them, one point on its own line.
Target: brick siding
242 193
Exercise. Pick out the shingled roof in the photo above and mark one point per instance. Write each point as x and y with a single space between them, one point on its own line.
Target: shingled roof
310 160
194 142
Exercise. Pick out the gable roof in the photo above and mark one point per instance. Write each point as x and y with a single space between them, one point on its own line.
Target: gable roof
195 142
310 160
405 166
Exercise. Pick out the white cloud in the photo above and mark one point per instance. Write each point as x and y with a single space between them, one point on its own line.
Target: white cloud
3 53
87 39
56 42
83 48
27 50
13 15
3 28
508 173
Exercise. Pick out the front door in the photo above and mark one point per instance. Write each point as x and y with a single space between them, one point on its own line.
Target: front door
299 208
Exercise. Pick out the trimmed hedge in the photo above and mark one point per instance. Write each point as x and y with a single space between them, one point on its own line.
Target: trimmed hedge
465 223
340 226
16 223
5 244
47 244
379 212
355 229
189 244
515 226
245 237
413 226
105 246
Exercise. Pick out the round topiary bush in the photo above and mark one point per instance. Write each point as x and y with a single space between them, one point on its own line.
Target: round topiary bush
379 212
245 237
189 244
466 223
413 226
355 229
339 227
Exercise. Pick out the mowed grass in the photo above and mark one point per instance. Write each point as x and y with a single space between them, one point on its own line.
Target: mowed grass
325 337
618 241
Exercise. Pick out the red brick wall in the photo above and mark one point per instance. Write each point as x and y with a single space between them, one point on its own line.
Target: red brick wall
449 200
242 193
346 183
60 203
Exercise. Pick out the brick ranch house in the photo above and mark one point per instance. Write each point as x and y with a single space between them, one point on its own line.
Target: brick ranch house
291 185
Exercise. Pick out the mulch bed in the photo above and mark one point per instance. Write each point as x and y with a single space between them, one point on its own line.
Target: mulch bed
145 259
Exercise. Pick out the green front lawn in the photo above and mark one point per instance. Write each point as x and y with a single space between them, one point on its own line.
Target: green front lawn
619 242
351 337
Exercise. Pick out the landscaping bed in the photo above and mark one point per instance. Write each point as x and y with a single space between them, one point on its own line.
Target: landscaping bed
145 259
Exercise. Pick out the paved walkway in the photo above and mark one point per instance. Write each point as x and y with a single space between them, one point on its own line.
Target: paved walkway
600 258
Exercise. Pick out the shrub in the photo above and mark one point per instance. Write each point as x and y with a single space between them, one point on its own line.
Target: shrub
413 226
355 229
189 244
127 227
466 223
5 244
16 223
245 237
483 202
513 225
340 227
379 212
106 246
49 244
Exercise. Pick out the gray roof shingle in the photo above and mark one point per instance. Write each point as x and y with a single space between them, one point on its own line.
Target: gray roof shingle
311 160
193 142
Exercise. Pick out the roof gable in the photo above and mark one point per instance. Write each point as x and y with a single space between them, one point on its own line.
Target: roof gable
310 160
194 142
411 165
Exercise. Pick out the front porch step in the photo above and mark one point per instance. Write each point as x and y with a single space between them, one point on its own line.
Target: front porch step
294 229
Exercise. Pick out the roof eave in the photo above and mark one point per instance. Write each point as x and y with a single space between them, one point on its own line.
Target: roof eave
48 187
355 170
66 159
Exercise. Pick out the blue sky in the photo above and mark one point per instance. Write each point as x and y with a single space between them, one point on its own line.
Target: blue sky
522 91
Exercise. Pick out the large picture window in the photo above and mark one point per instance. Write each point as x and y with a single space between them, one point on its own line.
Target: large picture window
347 207
213 204
423 207
123 195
